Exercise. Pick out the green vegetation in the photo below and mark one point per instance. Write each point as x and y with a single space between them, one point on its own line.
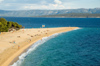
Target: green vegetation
6 26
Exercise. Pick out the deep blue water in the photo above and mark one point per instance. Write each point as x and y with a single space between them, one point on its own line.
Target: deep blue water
28 22
75 48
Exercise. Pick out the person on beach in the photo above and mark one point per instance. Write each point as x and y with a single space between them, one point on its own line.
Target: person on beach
18 36
14 42
38 30
18 47
31 35
30 39
23 30
12 47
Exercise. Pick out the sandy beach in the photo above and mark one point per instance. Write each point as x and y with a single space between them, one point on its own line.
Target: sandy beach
12 44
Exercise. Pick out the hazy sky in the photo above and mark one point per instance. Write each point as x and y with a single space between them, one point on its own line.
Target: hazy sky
47 4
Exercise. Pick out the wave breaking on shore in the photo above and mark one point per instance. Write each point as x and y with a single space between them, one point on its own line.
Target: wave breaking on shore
34 47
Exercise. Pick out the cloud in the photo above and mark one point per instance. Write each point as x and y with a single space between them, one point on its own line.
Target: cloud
1 1
47 4
30 1
57 1
35 6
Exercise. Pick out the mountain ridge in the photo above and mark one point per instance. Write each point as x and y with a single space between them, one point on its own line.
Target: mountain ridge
33 13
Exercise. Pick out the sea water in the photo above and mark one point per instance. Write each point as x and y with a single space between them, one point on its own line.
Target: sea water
29 22
79 47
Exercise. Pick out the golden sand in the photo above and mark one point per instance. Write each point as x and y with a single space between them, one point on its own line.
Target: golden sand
12 44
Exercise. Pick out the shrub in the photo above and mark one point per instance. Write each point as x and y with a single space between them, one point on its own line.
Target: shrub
5 26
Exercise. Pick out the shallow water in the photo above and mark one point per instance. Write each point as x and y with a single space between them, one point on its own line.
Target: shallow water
75 48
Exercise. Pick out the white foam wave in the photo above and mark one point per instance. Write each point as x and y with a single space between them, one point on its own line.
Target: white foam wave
33 47
77 28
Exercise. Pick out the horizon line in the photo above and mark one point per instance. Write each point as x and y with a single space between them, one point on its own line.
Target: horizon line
50 9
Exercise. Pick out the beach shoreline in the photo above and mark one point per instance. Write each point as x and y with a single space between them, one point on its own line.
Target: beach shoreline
25 42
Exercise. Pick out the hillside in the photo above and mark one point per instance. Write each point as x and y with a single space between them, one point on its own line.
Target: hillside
33 13
74 15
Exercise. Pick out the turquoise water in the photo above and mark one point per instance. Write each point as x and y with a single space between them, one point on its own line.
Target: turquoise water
75 48
79 47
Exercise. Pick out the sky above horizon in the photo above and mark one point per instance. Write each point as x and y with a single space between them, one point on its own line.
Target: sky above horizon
47 4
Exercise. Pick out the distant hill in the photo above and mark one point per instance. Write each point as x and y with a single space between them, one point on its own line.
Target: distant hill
74 15
34 13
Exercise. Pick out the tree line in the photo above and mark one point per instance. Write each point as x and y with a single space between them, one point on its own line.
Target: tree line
5 25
